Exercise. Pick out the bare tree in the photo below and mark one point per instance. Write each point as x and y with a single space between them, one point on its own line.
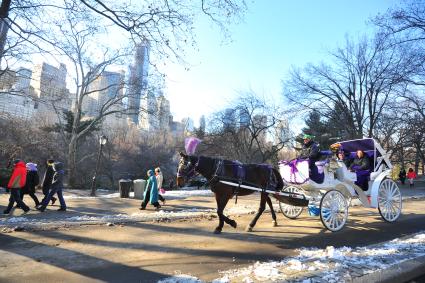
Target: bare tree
361 80
252 130
166 24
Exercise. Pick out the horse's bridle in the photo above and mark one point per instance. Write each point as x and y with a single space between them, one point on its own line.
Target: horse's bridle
191 171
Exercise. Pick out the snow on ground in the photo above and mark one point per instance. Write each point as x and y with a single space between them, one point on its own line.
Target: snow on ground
169 195
161 215
329 264
142 216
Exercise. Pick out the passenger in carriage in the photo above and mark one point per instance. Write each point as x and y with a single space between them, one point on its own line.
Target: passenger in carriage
361 165
341 157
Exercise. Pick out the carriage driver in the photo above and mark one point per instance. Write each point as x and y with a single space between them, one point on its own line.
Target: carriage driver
310 149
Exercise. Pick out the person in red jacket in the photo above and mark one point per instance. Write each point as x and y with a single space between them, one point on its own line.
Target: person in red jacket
16 183
411 175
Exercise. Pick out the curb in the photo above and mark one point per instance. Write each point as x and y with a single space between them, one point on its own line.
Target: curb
402 272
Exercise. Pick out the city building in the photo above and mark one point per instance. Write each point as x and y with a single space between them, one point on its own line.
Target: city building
16 106
138 80
7 79
154 112
23 81
244 118
229 118
106 86
282 132
50 92
260 126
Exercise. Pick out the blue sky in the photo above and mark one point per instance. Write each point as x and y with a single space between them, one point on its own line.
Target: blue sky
273 35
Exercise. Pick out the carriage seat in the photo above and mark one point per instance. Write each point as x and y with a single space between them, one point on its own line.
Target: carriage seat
343 174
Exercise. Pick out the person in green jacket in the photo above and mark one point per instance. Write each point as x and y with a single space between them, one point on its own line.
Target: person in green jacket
151 192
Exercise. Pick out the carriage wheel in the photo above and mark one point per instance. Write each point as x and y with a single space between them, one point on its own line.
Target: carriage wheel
291 211
389 200
333 210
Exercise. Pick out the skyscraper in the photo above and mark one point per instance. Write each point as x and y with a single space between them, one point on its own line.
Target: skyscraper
138 79
229 118
50 92
106 86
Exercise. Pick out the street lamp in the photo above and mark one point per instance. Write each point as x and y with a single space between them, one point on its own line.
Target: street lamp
102 141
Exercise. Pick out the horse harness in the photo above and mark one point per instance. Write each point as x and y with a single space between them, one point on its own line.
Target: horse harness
238 170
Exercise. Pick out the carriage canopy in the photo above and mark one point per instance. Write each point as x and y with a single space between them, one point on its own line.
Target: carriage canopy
370 147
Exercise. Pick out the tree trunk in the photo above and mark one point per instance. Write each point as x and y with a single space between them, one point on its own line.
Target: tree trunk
73 144
4 26
417 160
72 156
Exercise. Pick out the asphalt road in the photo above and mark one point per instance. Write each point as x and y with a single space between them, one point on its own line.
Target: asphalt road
146 252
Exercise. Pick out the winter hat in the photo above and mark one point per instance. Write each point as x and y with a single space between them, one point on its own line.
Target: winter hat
150 173
309 137
157 169
31 166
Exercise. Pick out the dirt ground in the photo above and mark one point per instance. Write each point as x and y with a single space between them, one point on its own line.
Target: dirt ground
148 251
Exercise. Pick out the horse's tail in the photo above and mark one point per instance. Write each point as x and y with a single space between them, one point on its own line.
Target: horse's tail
279 180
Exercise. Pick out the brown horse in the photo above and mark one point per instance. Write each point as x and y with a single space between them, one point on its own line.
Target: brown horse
214 170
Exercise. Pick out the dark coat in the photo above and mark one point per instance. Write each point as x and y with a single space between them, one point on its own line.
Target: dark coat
360 163
402 174
32 181
58 176
310 151
48 177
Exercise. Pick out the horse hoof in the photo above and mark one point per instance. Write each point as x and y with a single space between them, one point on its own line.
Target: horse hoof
217 231
274 223
233 224
248 229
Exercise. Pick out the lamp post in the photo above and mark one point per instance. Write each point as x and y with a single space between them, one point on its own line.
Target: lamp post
102 141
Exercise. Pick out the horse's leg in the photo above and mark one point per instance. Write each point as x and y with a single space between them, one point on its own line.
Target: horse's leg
222 201
218 199
259 212
269 202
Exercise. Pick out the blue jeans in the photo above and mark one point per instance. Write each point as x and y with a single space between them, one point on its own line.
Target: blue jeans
52 192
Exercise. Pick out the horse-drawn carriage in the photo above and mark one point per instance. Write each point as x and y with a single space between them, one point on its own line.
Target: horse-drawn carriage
332 197
327 194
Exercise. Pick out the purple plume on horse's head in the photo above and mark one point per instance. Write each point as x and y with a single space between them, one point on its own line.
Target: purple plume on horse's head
190 145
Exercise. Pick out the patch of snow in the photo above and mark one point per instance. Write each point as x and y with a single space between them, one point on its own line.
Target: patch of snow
170 195
330 264
18 219
181 279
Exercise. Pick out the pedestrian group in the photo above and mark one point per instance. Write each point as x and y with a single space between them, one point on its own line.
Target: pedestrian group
25 179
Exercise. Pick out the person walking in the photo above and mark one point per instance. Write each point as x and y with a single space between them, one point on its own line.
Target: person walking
402 176
411 175
151 192
47 180
159 181
32 181
16 183
55 188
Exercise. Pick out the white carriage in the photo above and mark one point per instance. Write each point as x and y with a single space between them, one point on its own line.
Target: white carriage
331 196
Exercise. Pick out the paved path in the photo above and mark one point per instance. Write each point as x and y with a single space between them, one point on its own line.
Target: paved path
148 251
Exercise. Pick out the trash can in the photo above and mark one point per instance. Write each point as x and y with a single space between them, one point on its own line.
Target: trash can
125 187
139 187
